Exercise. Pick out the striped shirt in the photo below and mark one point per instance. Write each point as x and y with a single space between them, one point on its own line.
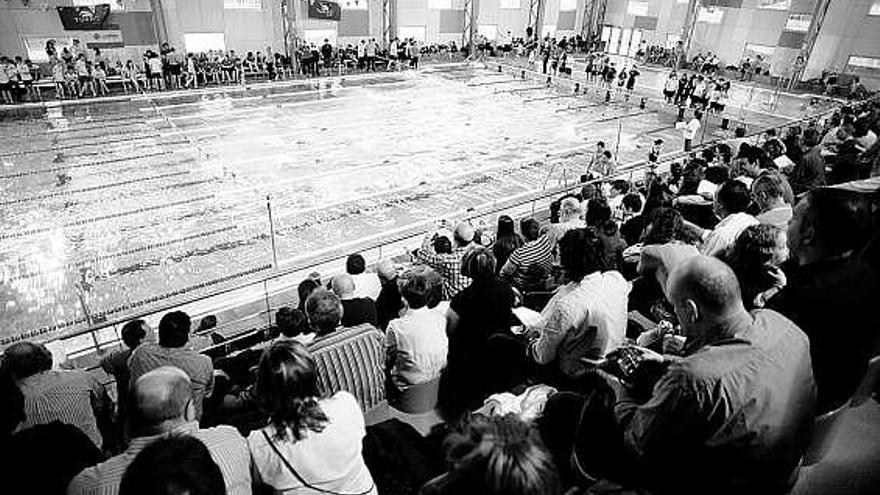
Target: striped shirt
228 449
528 267
447 265
72 397
149 356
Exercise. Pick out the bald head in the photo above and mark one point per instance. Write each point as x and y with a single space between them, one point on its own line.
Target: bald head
161 396
464 233
386 271
707 281
342 285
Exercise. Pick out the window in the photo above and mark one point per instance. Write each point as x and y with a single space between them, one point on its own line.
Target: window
566 5
710 15
415 32
864 62
203 42
317 36
114 4
637 8
243 4
875 8
774 4
798 22
35 46
509 4
440 4
488 31
354 4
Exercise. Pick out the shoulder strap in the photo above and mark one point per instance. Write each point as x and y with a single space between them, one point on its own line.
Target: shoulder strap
300 478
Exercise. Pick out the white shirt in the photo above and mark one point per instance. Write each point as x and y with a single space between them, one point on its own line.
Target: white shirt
331 460
367 285
725 233
416 346
583 319
691 129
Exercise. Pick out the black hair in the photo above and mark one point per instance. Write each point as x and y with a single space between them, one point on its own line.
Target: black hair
478 264
324 311
734 196
530 228
25 359
133 333
632 202
598 212
420 286
581 253
303 290
442 245
355 264
173 465
174 329
207 323
12 412
291 321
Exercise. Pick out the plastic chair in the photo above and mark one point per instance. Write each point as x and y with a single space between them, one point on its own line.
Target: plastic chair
418 399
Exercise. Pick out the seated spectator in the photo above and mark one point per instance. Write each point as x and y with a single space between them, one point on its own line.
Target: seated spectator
116 363
598 214
478 312
72 397
756 257
389 303
173 465
311 440
831 295
569 218
40 459
355 310
174 330
448 265
529 267
498 455
632 229
416 343
362 348
293 324
162 405
768 192
731 203
366 284
613 244
506 241
303 290
586 318
737 409
809 171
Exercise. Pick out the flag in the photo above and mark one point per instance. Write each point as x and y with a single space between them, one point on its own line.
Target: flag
323 9
84 18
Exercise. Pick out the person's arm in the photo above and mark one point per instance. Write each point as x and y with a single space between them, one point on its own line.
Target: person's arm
452 321
390 348
209 383
543 349
510 268
102 407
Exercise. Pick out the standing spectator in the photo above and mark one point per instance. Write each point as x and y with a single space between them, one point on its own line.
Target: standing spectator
389 303
174 332
115 363
448 265
586 318
310 441
355 310
162 406
366 284
72 397
528 267
691 129
416 344
506 240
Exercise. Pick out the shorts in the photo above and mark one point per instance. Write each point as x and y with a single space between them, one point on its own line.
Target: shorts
84 79
174 69
669 94
155 75
5 86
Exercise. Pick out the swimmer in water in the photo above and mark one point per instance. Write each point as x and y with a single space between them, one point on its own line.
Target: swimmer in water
62 179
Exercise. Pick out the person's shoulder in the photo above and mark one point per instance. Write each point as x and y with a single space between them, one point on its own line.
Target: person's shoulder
342 403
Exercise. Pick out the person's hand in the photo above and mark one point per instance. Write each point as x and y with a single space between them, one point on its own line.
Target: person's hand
778 276
620 389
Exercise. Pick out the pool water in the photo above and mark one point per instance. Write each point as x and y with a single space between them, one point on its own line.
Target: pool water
116 207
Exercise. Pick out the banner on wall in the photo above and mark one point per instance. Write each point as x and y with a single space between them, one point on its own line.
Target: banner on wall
84 18
324 10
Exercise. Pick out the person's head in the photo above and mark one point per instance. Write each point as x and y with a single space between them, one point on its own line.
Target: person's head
343 286
291 322
174 329
530 228
768 191
619 187
355 264
632 203
134 332
420 287
600 147
442 245
705 293
664 226
324 311
756 247
464 234
25 359
478 264
588 191
386 271
845 132
581 253
732 197
598 213
304 289
173 465
207 323
698 114
820 227
287 390
499 455
12 412
161 400
569 209
506 227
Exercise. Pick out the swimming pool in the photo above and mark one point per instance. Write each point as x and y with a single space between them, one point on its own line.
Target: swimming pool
117 207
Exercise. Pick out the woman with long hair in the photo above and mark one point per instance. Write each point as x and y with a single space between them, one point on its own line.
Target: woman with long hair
311 444
506 241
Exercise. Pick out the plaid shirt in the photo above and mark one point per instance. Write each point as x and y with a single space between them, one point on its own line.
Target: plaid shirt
447 265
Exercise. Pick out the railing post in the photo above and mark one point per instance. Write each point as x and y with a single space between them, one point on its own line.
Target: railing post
272 232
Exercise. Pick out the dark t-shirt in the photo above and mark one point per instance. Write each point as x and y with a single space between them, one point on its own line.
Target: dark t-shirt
484 308
44 458
357 311
389 303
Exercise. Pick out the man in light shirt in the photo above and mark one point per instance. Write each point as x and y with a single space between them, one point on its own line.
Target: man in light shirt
769 196
731 202
366 284
691 129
